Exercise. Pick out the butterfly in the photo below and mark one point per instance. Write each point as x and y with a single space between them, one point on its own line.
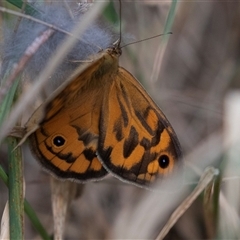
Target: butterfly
100 121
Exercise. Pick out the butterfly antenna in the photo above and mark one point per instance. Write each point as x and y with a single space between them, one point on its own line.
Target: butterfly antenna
120 25
145 39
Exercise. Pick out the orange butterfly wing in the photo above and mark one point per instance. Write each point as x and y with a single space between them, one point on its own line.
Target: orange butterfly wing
102 119
136 141
66 140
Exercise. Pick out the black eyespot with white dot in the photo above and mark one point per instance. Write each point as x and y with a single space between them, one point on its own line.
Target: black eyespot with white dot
58 141
163 161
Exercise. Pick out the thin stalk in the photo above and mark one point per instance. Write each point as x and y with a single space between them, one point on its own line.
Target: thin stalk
15 183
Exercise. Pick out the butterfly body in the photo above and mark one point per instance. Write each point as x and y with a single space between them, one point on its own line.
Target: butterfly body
100 121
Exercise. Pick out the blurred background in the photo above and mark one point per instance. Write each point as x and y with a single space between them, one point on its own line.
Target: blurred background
193 76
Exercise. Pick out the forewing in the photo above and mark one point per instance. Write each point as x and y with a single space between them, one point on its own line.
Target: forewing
66 140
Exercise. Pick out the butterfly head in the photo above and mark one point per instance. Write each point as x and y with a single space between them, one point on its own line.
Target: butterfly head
116 49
